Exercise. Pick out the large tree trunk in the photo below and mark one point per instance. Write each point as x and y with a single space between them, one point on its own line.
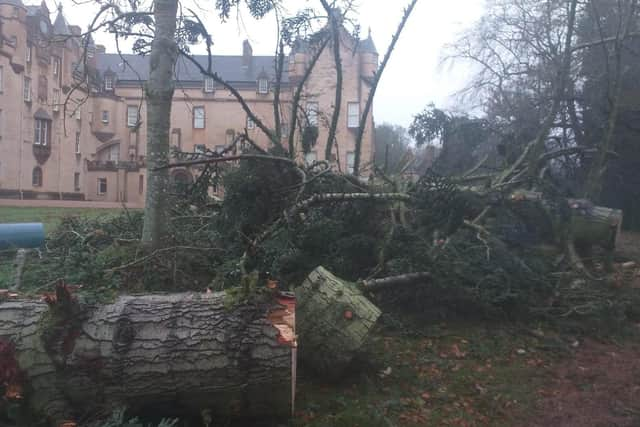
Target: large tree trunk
159 92
587 224
334 320
186 352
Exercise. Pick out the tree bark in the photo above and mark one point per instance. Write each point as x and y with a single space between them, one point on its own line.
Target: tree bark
588 224
334 320
186 352
159 92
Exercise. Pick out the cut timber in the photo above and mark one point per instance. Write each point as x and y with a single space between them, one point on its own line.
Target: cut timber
589 224
333 321
183 352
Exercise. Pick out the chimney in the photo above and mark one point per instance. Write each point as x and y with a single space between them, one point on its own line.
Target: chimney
100 48
247 54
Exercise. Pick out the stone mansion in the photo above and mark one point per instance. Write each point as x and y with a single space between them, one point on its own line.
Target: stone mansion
93 148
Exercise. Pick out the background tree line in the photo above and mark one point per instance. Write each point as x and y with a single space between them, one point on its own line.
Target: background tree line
563 72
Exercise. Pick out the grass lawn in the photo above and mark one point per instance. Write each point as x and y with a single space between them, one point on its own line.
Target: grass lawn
50 217
451 375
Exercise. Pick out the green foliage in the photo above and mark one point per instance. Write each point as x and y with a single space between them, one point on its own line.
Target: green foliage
118 419
429 125
464 139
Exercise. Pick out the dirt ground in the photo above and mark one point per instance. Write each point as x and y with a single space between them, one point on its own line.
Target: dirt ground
600 385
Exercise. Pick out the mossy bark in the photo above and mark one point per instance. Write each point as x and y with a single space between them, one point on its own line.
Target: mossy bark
179 352
333 321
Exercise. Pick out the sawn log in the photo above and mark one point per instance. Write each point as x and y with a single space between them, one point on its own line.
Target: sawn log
186 351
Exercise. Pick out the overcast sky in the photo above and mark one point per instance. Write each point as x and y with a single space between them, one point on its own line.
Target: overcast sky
413 77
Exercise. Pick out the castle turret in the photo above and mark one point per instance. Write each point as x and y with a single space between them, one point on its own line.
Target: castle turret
369 56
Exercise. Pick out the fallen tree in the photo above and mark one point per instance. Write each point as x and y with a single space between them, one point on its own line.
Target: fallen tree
334 321
192 351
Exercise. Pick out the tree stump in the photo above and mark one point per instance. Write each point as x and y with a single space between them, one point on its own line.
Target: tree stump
333 321
171 353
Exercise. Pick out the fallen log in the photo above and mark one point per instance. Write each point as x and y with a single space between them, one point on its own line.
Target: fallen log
187 352
333 321
588 224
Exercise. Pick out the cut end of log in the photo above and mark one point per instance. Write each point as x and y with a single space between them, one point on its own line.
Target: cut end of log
334 321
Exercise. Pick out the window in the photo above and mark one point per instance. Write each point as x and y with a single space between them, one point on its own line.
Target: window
141 184
76 181
351 160
219 148
27 55
56 99
353 115
310 157
105 116
108 83
114 153
43 89
312 113
175 138
77 142
90 116
1 124
199 148
263 85
42 132
132 116
229 136
56 66
250 123
26 93
208 84
198 117
36 177
1 78
102 186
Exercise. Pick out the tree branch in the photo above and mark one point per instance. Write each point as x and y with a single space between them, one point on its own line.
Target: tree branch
374 86
335 31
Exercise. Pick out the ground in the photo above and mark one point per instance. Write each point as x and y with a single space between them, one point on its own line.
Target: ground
49 216
467 373
487 374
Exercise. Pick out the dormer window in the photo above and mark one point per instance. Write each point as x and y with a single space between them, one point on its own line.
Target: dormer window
208 85
108 83
263 85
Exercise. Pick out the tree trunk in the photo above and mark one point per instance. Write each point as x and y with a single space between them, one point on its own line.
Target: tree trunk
159 92
177 353
588 224
334 320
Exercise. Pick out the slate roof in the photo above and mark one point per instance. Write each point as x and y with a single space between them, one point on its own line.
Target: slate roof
12 2
367 45
229 68
60 26
33 10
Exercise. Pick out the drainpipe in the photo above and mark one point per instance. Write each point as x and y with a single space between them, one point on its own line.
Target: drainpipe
20 143
59 165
